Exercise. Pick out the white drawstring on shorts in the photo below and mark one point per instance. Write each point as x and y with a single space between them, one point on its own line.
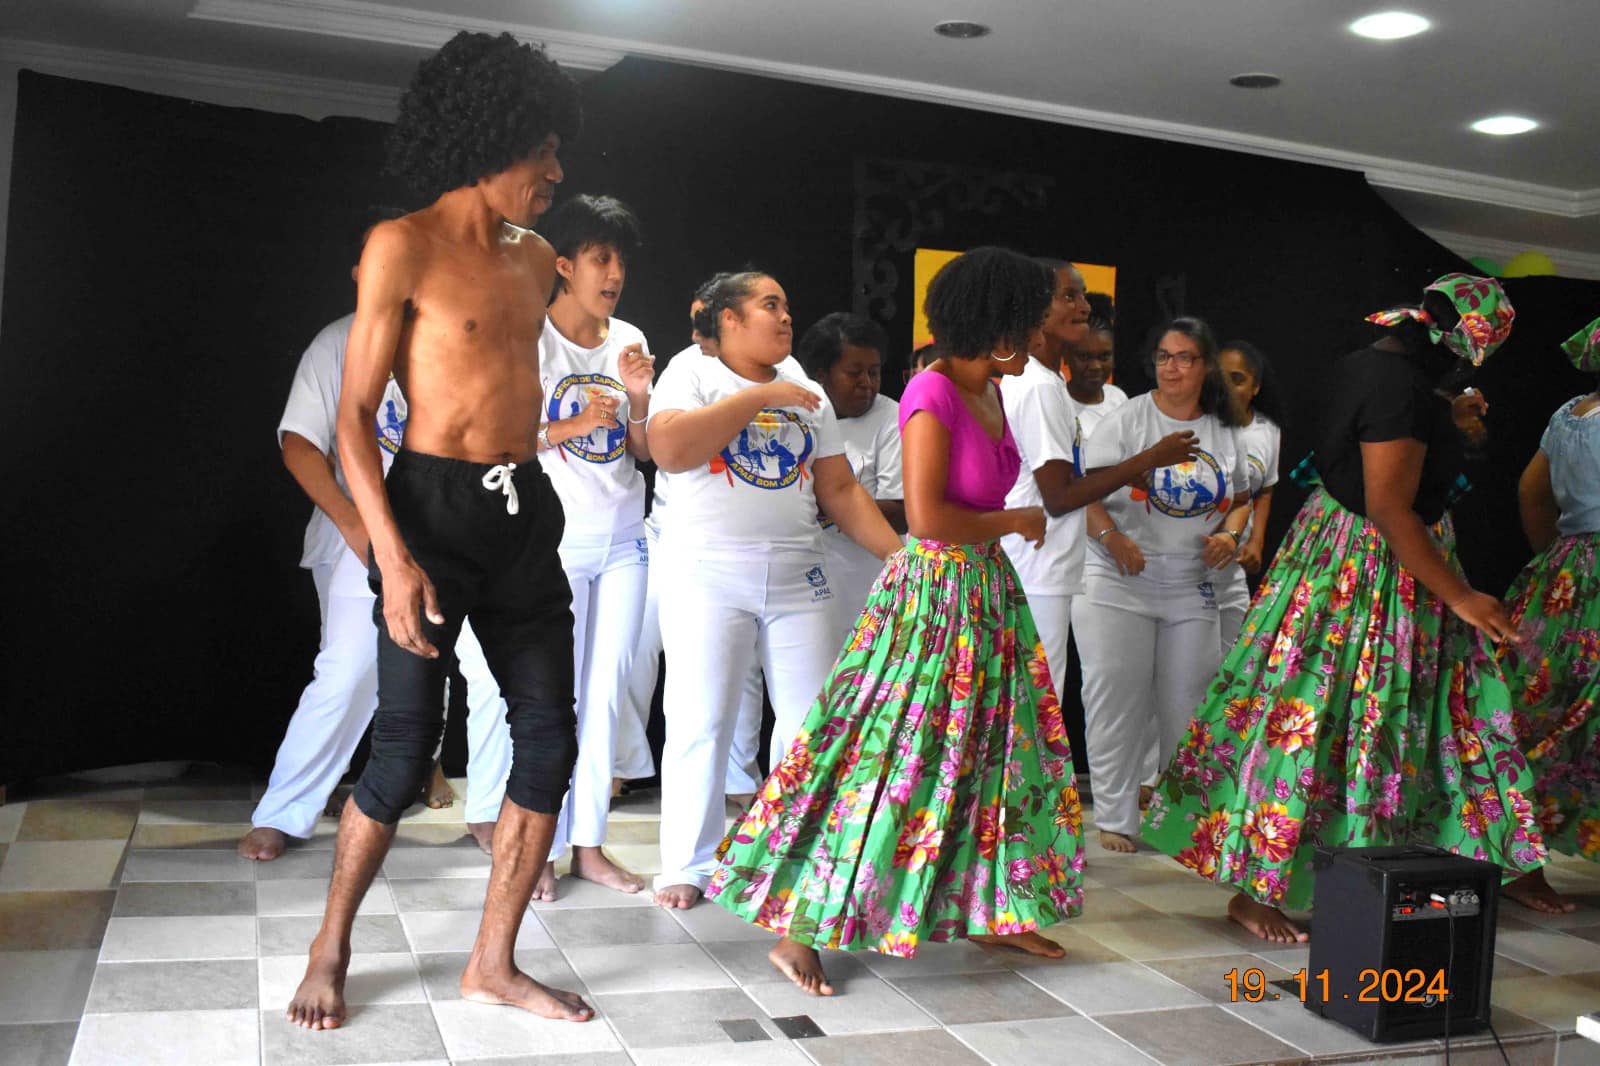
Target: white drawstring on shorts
498 479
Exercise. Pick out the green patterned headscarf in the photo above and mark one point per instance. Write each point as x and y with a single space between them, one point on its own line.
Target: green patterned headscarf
1583 348
1485 310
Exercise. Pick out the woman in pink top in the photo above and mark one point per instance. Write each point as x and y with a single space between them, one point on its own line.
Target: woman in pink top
928 795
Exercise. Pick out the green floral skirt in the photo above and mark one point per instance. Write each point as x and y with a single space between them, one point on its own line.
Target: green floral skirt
1554 674
1354 710
929 794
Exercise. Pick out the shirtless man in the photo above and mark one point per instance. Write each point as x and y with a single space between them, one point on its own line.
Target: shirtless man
451 300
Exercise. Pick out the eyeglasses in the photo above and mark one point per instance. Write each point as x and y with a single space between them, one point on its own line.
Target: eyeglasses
1184 359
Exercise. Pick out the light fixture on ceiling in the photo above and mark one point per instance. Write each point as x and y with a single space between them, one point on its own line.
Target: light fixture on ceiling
1389 25
961 29
1504 125
1255 81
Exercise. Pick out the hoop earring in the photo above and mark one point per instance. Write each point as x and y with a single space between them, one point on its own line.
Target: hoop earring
1003 359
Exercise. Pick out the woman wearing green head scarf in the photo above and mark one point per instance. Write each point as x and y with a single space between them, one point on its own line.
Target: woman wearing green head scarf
1554 668
1362 704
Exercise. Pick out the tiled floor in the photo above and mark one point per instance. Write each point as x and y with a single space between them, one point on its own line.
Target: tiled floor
130 933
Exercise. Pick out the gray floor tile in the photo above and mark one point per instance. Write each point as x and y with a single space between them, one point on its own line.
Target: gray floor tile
1197 1036
172 1038
476 1031
436 862
956 956
676 1019
576 1058
647 968
160 811
573 894
763 1053
292 936
1549 950
439 893
45 921
296 864
61 866
370 1034
956 999
38 1044
1206 974
601 927
154 939
928 1048
458 930
176 899
308 896
190 984
44 986
178 865
441 971
709 922
1031 1043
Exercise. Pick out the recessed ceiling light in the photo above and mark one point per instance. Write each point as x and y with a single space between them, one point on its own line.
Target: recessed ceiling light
1389 25
961 30
1504 125
1256 81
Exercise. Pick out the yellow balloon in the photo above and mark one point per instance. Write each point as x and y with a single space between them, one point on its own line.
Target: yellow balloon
1528 264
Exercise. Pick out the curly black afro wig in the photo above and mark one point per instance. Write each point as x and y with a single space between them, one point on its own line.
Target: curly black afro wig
476 106
987 298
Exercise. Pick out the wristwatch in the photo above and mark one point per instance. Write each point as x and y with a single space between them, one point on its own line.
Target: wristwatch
544 438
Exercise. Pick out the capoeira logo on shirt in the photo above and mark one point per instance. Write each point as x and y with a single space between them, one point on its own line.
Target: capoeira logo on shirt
570 397
769 453
392 419
1189 490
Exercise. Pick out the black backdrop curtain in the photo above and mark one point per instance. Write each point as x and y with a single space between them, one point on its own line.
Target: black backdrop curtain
168 261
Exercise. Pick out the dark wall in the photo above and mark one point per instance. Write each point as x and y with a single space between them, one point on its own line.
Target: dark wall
168 261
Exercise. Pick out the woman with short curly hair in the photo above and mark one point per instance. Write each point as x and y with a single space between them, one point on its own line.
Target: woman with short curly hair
928 794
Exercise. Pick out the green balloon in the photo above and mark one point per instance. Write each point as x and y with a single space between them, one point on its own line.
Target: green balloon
1486 266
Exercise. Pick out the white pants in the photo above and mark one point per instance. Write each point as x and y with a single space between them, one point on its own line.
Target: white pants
335 707
1052 616
633 747
607 577
720 618
1230 623
1138 670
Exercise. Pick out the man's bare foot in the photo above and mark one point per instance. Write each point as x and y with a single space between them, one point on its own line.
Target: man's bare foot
1117 842
1145 793
616 787
1032 943
1266 922
263 843
319 1001
802 965
1534 892
483 833
544 889
740 800
592 864
437 793
678 897
517 989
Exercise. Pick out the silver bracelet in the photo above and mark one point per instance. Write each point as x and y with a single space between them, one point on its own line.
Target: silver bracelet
637 421
1100 537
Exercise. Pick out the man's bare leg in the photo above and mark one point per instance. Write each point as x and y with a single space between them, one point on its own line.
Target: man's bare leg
593 864
263 843
521 842
362 843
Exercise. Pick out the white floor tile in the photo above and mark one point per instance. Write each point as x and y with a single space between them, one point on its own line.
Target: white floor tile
174 865
765 1053
44 986
10 818
382 978
858 1005
647 968
303 896
149 939
172 1038
476 1031
432 931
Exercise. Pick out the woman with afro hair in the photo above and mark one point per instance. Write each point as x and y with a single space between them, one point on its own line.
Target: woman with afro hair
928 795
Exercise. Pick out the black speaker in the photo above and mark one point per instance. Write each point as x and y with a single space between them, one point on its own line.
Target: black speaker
1402 944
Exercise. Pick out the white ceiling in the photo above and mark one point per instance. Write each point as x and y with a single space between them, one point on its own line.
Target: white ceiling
1396 110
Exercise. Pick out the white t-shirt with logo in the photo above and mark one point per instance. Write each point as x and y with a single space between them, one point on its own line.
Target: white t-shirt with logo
1170 522
312 412
601 487
1260 442
872 446
1075 532
1039 411
757 496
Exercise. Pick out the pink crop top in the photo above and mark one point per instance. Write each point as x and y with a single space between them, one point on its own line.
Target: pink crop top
982 470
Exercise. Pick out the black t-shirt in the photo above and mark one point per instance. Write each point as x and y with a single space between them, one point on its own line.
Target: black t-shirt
1380 396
